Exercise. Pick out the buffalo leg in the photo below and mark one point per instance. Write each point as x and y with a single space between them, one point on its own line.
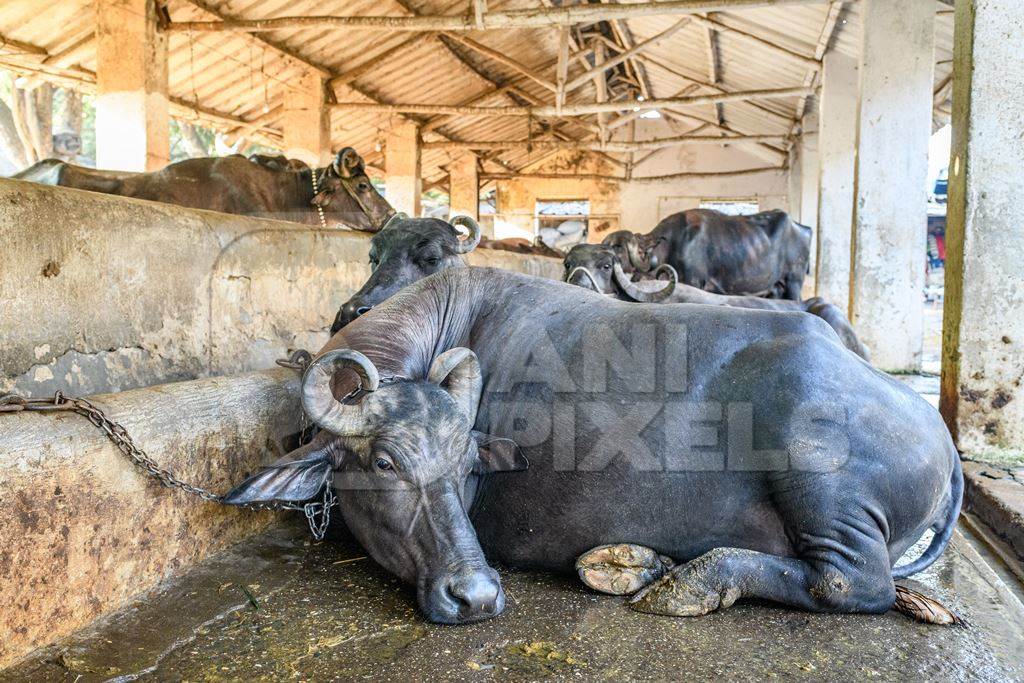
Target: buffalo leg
830 582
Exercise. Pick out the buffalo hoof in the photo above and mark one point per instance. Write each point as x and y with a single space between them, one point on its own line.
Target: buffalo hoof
920 607
622 568
686 591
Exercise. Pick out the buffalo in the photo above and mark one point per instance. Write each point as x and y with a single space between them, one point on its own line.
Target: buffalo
597 267
482 416
404 251
266 186
764 254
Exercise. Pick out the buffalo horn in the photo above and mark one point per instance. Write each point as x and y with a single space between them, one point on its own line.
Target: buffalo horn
472 239
638 294
318 400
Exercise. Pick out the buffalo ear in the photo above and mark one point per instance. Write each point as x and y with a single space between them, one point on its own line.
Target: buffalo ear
298 476
495 454
322 198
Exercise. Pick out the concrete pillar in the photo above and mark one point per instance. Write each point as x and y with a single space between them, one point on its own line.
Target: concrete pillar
132 117
464 186
891 206
809 169
837 154
982 395
306 121
809 188
794 182
402 166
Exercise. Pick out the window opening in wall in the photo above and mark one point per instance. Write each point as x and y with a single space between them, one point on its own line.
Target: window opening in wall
732 207
562 223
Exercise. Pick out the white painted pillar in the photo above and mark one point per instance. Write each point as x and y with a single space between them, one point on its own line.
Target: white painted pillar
891 205
794 183
306 120
402 166
809 190
982 395
464 186
809 169
132 116
837 153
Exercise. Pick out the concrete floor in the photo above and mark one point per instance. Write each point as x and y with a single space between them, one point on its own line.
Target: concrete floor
323 611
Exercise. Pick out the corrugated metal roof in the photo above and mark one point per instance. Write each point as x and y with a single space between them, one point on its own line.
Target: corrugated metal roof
237 77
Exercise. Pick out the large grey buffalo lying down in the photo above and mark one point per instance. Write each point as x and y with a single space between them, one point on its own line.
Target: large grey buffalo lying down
763 254
597 267
268 187
749 445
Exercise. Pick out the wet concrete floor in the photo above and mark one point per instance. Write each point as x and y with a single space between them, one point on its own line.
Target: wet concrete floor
279 607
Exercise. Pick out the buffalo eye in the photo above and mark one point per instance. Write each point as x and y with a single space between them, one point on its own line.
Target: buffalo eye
607 266
363 187
432 260
383 464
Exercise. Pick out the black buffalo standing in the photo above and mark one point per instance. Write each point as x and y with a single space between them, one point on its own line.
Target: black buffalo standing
764 254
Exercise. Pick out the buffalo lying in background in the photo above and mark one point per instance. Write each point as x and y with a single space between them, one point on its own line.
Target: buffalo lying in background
597 267
404 251
754 449
521 246
266 186
764 254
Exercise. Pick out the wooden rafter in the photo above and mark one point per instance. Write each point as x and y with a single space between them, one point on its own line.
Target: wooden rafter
542 17
610 146
573 109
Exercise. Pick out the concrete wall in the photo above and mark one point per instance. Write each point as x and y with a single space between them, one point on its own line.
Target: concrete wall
103 293
517 199
84 531
639 205
646 203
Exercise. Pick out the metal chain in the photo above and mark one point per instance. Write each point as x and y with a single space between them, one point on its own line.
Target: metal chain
318 514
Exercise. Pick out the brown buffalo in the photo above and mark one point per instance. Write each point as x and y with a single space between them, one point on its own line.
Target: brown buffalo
265 186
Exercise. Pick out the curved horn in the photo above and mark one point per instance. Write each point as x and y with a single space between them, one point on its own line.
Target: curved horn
633 251
460 367
347 161
395 218
590 276
472 239
637 294
318 400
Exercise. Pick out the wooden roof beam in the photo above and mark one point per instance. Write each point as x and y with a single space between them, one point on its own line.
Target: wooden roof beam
606 64
598 146
533 17
571 109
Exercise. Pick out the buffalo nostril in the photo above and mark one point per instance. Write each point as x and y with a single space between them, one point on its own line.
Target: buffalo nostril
475 593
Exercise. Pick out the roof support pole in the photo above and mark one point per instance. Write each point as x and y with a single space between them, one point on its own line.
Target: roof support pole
403 184
837 148
306 121
464 185
132 109
890 205
981 396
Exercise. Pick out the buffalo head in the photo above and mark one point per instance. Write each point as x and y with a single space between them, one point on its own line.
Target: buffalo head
597 267
632 251
401 459
404 251
346 194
